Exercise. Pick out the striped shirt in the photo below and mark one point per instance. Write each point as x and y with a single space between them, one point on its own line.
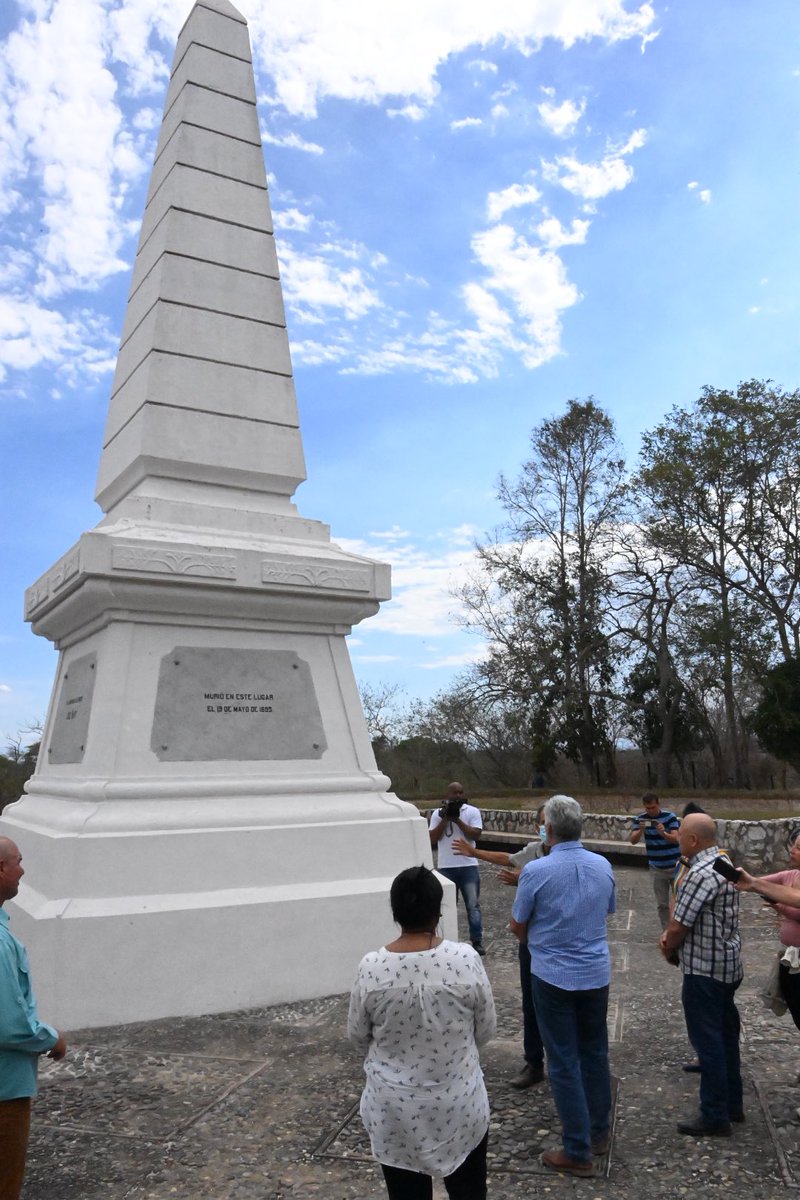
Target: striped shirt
564 900
662 855
709 905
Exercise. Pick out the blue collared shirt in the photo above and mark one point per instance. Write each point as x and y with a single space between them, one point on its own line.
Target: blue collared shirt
564 900
23 1037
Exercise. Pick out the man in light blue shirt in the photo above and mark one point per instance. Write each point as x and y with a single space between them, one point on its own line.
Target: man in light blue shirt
561 908
23 1037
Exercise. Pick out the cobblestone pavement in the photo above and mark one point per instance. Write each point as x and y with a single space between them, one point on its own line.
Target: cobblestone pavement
262 1105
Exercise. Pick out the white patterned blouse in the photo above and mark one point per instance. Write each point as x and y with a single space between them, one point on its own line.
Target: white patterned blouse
420 1017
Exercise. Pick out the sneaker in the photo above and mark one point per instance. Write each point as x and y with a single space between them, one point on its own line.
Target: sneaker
600 1145
528 1076
478 948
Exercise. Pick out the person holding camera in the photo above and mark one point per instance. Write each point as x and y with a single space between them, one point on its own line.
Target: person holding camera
455 818
660 829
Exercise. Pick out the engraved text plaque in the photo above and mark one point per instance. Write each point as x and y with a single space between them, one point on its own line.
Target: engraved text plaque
239 705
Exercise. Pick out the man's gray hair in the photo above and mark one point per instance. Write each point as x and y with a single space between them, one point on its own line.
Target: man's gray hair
566 817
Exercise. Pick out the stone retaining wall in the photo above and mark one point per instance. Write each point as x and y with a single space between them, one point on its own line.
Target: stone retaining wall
759 846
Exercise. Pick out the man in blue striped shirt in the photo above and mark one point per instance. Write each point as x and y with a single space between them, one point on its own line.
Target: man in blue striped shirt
561 908
660 828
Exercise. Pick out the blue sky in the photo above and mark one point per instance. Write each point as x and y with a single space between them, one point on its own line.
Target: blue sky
481 211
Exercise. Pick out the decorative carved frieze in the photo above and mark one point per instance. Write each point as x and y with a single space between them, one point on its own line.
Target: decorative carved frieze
174 562
36 595
329 576
68 566
52 582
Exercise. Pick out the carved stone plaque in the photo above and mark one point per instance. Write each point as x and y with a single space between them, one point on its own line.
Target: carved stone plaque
241 705
71 724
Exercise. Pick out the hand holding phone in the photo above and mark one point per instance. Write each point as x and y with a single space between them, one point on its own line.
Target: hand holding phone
726 869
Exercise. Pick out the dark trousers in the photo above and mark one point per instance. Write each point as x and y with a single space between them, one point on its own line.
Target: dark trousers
575 1036
468 1182
531 1038
15 1123
790 990
712 1022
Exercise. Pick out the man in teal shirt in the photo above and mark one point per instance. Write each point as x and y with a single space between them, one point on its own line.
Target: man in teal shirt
23 1037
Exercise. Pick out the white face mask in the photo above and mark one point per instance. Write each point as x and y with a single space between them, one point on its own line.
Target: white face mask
543 834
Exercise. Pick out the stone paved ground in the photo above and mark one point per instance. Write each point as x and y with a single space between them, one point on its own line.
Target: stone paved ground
262 1105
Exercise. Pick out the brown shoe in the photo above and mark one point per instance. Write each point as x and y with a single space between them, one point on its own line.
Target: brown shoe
557 1160
528 1076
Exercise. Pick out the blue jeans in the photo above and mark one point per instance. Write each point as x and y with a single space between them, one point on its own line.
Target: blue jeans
575 1036
712 1022
468 883
531 1038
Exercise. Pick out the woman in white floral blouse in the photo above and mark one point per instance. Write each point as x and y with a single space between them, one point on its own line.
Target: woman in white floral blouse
420 1008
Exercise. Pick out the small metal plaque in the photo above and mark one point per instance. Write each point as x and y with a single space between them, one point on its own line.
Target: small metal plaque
71 724
240 705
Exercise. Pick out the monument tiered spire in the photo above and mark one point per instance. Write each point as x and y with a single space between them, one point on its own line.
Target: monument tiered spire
203 390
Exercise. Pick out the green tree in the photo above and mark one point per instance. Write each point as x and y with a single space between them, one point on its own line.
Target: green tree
720 486
776 720
545 589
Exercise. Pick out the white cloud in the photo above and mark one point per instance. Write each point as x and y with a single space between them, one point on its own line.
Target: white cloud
499 111
534 281
311 285
516 196
370 52
57 86
4 687
561 119
412 111
593 181
466 123
703 194
423 579
318 354
465 659
291 141
395 534
291 219
482 64
32 336
553 234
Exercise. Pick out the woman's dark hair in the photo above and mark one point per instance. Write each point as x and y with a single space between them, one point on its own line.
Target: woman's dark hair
416 899
690 808
794 834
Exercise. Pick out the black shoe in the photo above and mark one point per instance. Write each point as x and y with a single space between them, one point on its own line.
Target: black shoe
700 1127
528 1076
478 948
691 1068
738 1117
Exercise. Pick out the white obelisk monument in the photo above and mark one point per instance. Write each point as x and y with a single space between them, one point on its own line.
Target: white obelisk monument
207 828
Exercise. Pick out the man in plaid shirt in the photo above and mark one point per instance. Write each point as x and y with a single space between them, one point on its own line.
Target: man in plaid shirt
704 930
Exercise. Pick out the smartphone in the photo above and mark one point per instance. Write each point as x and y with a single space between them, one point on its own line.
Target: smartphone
726 869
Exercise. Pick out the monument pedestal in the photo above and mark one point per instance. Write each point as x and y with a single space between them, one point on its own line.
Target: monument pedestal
207 829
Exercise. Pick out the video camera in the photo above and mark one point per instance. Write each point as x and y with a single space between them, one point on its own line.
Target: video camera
453 807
